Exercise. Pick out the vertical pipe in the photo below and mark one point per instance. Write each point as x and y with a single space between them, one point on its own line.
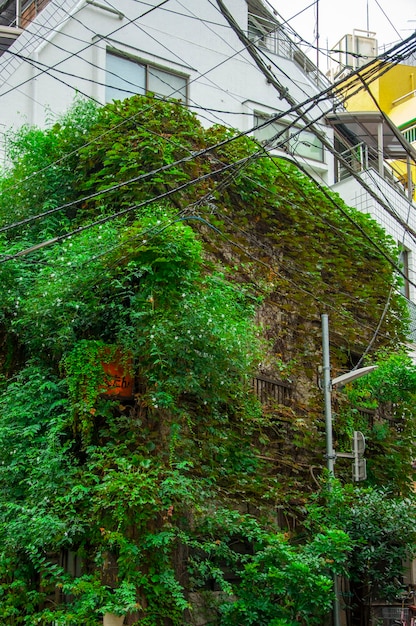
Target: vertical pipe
380 149
409 179
18 13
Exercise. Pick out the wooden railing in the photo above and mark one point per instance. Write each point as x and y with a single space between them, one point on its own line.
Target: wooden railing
267 390
386 412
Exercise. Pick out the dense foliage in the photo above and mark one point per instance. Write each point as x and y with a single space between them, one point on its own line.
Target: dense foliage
137 241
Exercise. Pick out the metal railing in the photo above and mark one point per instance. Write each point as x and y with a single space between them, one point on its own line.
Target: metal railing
270 35
20 14
361 158
31 10
356 158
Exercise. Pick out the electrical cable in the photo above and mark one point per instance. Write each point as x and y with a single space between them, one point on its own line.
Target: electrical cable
116 215
87 46
135 23
110 189
135 179
388 19
55 240
245 251
266 71
77 54
219 187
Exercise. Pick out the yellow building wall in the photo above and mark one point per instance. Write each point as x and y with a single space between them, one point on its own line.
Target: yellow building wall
394 93
395 83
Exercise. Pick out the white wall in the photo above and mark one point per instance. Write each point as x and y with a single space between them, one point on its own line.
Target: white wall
189 37
354 195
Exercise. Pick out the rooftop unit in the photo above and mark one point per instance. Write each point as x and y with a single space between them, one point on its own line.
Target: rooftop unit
352 52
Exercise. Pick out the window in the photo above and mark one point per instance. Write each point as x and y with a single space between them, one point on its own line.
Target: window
308 145
271 130
297 142
126 77
403 263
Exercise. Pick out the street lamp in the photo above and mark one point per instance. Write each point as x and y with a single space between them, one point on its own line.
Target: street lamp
328 384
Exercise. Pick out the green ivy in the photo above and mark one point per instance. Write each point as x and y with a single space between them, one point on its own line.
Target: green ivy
194 294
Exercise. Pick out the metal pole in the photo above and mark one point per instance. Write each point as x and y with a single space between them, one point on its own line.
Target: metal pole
330 453
326 370
409 179
18 13
380 148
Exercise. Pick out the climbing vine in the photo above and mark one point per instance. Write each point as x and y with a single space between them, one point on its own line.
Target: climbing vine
164 500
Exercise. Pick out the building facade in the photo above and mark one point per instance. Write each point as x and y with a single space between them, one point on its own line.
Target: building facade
232 63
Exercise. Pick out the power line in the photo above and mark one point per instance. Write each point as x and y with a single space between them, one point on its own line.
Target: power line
116 215
284 94
89 45
115 187
146 202
50 242
44 244
136 25
388 19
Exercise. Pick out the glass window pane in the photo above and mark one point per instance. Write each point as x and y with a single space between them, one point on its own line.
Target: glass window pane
404 266
165 84
267 132
306 144
123 78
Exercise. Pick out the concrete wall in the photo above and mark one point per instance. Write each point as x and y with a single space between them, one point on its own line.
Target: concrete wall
66 51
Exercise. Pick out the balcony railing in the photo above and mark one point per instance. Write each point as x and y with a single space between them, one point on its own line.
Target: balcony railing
361 158
19 14
31 10
271 36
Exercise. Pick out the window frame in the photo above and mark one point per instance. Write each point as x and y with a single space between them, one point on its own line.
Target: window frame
147 66
286 139
403 263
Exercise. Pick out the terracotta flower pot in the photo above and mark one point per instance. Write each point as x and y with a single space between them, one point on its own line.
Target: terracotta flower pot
120 381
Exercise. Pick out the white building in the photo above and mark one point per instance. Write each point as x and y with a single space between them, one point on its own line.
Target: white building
196 50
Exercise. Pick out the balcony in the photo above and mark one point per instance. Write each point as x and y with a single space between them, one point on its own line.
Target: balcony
362 157
269 34
15 16
372 141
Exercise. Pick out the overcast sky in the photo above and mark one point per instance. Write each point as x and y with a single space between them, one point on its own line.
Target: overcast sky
392 20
